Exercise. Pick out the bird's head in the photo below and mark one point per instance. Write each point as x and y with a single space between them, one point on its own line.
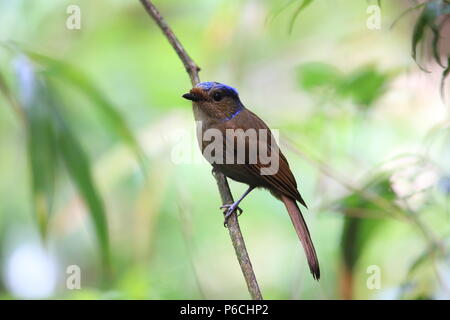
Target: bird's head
216 99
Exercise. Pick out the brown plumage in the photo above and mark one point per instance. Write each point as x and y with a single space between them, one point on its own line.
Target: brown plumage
217 106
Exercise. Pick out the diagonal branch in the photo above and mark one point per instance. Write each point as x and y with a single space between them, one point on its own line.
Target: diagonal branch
233 225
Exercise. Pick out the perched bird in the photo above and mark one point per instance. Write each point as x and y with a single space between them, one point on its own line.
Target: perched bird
218 109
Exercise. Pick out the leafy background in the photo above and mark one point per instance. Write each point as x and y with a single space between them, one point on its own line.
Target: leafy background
99 167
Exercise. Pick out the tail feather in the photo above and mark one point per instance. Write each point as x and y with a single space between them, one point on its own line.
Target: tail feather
303 234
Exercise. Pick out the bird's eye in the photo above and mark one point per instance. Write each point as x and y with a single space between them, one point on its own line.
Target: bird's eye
217 96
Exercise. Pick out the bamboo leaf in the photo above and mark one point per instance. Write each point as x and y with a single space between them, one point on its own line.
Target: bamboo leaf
358 231
356 234
4 89
49 139
43 159
78 166
301 7
9 97
111 117
40 133
404 13
272 16
427 18
435 45
445 74
418 33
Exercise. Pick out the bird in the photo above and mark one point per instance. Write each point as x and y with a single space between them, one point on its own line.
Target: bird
219 112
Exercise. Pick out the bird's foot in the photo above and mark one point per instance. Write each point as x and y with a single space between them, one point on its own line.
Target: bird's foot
230 209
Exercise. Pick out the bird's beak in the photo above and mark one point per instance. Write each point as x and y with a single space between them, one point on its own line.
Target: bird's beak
191 96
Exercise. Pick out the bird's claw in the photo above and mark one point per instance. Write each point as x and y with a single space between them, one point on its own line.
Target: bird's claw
230 209
229 206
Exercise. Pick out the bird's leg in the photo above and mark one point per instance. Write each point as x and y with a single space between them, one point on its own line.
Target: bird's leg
235 206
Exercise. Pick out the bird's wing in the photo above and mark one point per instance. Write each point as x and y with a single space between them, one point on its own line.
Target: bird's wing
282 181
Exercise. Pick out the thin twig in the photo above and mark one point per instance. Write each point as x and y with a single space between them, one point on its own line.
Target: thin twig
233 226
237 239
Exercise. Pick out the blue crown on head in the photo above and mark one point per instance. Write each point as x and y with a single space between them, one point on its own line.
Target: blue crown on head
208 85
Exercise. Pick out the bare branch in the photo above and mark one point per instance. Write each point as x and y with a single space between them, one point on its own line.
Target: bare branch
233 225
237 239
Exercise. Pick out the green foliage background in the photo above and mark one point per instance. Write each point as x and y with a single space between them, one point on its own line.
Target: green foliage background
92 124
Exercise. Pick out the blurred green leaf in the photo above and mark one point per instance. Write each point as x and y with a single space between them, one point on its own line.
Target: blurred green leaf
435 45
445 74
49 138
421 260
429 19
275 13
364 85
314 75
379 185
404 13
356 234
428 15
4 89
78 166
9 97
42 155
297 11
110 116
358 231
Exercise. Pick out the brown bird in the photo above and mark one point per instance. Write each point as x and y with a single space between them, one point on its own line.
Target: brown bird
240 145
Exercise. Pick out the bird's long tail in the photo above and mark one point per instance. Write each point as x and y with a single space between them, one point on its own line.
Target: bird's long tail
303 234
